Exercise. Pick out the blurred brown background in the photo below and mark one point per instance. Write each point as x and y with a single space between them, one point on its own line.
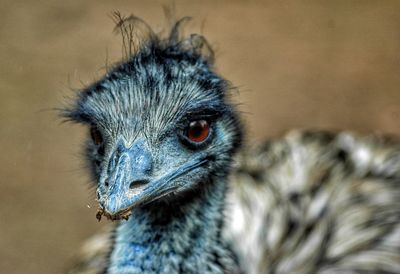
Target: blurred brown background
329 64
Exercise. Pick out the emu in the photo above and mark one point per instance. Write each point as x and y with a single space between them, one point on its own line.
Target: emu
163 151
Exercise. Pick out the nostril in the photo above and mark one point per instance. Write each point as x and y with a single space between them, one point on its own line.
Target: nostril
106 183
138 183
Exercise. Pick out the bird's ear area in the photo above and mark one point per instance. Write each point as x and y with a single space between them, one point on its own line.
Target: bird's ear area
233 126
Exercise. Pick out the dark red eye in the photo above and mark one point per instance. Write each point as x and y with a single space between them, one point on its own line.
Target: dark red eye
96 135
198 131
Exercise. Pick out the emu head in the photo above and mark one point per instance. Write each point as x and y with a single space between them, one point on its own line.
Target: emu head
160 124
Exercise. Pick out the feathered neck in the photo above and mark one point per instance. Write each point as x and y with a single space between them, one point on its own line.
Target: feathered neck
179 236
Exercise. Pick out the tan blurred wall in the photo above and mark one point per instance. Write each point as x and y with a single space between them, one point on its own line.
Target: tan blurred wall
330 64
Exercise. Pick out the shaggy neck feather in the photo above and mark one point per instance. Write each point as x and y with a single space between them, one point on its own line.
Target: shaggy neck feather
181 236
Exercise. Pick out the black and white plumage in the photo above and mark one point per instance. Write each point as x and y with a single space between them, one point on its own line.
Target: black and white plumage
311 202
317 202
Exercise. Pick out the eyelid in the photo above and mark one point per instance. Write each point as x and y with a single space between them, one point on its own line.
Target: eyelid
184 123
206 114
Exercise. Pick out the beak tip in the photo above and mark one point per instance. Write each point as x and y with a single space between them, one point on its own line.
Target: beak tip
113 209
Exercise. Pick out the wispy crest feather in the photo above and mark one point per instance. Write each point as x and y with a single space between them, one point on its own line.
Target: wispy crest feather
138 36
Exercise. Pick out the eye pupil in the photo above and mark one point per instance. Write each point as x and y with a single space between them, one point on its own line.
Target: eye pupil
96 135
198 130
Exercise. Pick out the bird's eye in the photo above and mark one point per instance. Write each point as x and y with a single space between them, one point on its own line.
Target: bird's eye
96 135
198 131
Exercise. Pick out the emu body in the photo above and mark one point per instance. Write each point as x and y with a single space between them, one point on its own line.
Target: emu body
164 139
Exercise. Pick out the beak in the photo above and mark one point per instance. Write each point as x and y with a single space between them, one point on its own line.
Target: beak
128 177
130 183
